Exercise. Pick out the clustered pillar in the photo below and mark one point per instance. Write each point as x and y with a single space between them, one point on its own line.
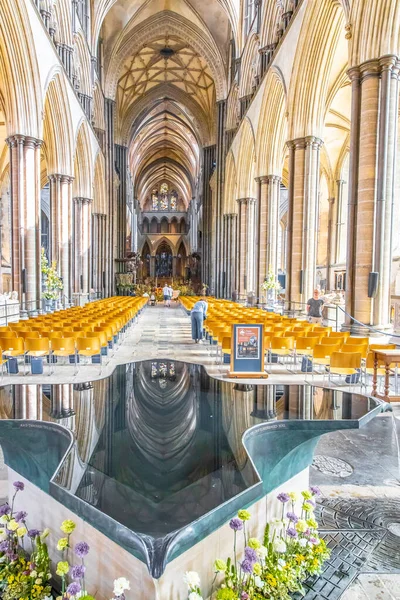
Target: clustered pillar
82 244
25 195
246 244
371 193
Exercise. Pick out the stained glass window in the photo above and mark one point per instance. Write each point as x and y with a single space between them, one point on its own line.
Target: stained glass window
154 198
163 199
173 201
164 202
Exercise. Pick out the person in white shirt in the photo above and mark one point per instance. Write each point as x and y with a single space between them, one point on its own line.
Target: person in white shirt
170 294
166 294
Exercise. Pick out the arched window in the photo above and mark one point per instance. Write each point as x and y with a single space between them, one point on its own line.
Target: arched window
164 226
153 226
249 14
82 9
183 226
146 225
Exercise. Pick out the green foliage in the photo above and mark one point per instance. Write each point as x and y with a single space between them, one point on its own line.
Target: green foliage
52 283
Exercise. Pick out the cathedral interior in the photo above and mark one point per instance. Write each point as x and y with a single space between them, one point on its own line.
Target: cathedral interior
245 155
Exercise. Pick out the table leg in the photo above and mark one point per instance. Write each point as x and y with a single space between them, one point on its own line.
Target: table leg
375 377
387 386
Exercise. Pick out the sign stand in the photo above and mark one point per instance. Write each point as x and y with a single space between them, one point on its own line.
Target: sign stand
247 352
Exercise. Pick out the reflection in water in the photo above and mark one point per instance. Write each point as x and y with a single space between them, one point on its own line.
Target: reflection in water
159 446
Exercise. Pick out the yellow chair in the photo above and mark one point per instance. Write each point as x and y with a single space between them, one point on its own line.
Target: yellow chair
13 347
329 341
62 347
362 349
357 341
345 363
339 334
322 356
88 347
36 347
282 346
2 362
28 334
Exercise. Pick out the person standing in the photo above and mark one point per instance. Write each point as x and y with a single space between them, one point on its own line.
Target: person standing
197 315
170 294
166 294
314 308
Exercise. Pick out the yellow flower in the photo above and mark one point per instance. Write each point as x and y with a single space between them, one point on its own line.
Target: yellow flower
21 531
220 565
62 544
294 496
257 570
254 543
244 515
301 526
12 525
307 495
300 558
271 580
62 568
312 523
67 526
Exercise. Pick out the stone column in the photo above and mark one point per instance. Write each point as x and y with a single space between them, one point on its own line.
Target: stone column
339 212
251 244
274 189
55 217
371 189
65 235
25 197
303 198
263 231
330 249
86 242
174 259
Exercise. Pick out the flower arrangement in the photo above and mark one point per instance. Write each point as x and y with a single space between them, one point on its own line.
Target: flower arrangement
52 283
276 567
26 576
270 283
23 575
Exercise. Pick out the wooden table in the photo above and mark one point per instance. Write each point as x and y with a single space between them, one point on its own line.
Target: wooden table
386 358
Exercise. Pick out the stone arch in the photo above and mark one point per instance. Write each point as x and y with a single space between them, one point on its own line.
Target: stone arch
230 194
322 32
173 24
250 67
63 17
19 74
270 17
99 192
246 161
57 127
145 225
154 225
375 29
272 126
98 108
182 225
164 225
82 64
83 164
233 108
174 225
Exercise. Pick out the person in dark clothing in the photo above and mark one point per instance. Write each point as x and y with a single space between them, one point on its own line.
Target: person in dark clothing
314 308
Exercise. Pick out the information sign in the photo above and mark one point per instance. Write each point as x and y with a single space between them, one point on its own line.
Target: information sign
247 352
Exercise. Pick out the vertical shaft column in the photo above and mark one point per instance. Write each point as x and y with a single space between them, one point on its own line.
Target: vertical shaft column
330 249
311 188
242 246
339 214
77 244
86 242
65 235
251 244
55 193
274 189
263 229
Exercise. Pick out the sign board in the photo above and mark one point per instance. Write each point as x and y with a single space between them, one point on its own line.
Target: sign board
247 352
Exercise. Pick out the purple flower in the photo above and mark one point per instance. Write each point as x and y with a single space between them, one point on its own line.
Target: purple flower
282 497
315 490
236 524
11 556
73 588
20 516
78 571
244 596
4 510
313 540
291 532
4 546
250 554
247 566
33 533
292 517
81 549
19 486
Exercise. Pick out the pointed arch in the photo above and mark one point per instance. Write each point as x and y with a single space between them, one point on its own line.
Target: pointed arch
272 126
322 32
99 192
83 164
230 194
82 64
246 161
249 68
57 127
233 108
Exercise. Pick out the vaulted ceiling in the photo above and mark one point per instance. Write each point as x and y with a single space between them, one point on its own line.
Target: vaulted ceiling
166 66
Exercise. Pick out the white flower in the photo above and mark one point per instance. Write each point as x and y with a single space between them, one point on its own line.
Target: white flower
33 574
279 546
4 519
281 562
195 596
276 522
3 536
120 585
262 551
192 579
258 582
303 543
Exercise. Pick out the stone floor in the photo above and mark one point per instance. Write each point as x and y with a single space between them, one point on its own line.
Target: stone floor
357 470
